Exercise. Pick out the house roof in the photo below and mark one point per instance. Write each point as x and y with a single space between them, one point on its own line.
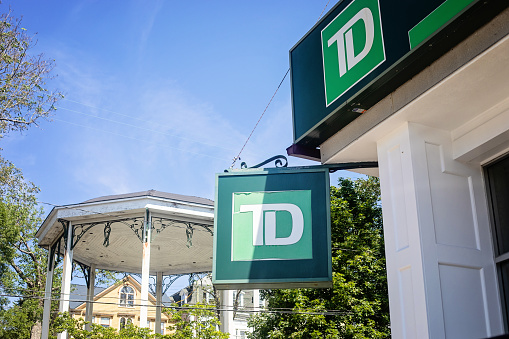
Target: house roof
79 295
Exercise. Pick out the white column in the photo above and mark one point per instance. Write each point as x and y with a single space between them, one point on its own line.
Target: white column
440 267
47 295
66 278
159 301
256 300
90 297
227 311
145 271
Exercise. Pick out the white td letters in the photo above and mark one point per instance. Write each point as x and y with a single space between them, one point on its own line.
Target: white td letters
345 37
270 223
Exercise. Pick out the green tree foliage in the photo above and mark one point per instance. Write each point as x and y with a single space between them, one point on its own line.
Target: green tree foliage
8 235
76 329
357 305
18 321
22 263
198 321
24 98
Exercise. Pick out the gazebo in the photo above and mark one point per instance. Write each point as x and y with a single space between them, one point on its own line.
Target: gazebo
150 233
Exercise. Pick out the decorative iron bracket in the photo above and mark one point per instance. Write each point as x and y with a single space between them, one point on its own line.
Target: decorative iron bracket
107 232
171 279
166 222
86 272
52 259
65 225
278 162
189 234
83 230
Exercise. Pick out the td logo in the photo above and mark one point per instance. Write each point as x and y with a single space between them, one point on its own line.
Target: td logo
352 47
271 225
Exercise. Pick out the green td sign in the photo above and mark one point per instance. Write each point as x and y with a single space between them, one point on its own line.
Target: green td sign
272 229
272 225
352 47
363 50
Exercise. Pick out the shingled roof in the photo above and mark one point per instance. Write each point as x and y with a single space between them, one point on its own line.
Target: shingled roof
156 194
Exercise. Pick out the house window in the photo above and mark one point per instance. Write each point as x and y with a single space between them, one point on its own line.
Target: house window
124 321
240 300
183 296
497 182
127 296
105 321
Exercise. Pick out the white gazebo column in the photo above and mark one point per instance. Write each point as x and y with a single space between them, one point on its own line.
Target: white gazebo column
47 294
66 277
145 270
440 267
226 311
159 301
90 297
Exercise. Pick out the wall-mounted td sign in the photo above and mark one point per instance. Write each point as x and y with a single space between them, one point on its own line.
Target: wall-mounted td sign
352 47
362 50
272 229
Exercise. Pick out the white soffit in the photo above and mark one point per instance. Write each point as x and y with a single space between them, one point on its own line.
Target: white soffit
472 95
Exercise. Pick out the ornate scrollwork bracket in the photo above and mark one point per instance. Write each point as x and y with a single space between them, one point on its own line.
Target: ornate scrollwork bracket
65 225
189 234
279 161
79 231
107 232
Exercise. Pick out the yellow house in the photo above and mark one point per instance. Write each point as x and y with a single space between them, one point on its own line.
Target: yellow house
117 305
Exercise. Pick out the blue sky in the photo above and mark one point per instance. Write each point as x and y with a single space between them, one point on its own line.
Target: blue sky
158 94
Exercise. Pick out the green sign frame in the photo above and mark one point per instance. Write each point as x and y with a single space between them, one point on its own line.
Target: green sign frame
272 229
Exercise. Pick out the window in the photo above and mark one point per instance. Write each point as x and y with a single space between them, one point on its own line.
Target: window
497 181
105 321
127 296
163 326
240 300
183 297
124 321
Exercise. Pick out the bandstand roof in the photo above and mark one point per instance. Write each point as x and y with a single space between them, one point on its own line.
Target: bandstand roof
108 232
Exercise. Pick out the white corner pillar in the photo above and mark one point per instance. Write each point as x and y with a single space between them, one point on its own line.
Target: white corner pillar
226 311
46 315
159 301
65 292
90 297
145 270
440 267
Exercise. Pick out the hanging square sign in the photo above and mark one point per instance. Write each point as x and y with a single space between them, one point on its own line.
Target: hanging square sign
272 229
